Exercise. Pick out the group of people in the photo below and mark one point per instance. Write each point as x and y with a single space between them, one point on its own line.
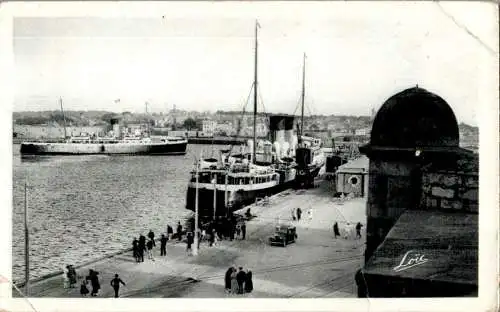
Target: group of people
227 228
336 231
94 283
139 246
297 214
69 276
238 282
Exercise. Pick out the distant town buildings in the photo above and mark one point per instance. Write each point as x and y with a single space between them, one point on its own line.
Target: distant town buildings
219 124
208 127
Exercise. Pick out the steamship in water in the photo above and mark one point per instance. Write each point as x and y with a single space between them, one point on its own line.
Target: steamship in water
114 144
309 155
258 170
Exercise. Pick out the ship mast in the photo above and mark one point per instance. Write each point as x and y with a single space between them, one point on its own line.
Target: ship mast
257 25
303 99
174 119
147 120
64 118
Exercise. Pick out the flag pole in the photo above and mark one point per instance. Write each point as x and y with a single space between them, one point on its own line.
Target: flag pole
26 241
195 247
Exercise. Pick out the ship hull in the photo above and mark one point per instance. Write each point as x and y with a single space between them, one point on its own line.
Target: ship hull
238 199
171 148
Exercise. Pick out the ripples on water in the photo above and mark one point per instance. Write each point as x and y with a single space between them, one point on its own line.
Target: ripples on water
83 207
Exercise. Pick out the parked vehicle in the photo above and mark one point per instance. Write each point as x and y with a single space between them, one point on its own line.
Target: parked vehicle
283 235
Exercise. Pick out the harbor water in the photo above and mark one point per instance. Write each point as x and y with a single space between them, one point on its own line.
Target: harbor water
85 207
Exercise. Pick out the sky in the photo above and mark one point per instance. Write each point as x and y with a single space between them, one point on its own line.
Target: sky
358 55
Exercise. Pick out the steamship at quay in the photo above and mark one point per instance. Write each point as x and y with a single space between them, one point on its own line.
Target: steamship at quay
115 143
235 180
218 187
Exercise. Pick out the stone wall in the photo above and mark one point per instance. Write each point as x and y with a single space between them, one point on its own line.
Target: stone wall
450 190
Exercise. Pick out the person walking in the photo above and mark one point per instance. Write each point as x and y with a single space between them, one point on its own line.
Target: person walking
215 238
135 249
240 278
299 213
199 238
163 245
151 236
227 280
94 282
179 231
243 230
141 247
150 250
238 231
65 277
189 242
83 288
358 230
71 276
234 283
336 231
248 282
170 231
115 283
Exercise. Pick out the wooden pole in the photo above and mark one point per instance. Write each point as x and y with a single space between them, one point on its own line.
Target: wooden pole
225 189
26 241
215 195
64 118
195 247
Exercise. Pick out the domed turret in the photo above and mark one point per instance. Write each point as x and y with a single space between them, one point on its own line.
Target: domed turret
415 117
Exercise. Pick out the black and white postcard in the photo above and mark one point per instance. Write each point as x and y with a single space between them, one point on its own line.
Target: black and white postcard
323 156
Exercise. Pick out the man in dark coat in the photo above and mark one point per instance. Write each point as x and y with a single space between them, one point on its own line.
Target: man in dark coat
163 245
227 279
115 283
135 249
179 231
299 213
248 282
151 236
189 242
358 230
94 282
142 247
170 232
243 230
150 250
240 278
336 231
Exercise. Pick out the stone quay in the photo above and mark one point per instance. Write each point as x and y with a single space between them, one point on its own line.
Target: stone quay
316 266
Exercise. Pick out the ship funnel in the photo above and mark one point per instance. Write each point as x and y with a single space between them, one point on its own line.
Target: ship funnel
281 131
115 123
250 146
